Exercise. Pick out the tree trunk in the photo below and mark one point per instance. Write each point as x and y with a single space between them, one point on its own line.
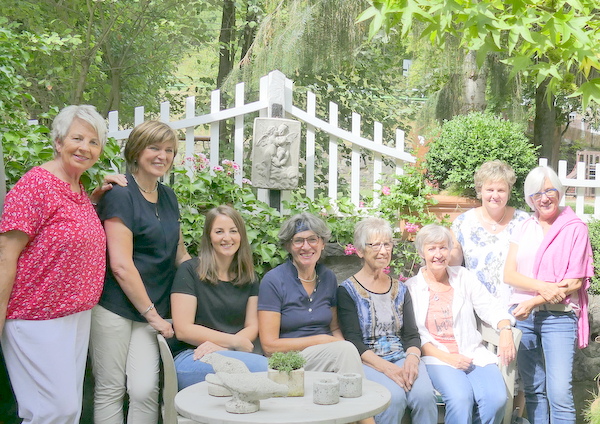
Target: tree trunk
474 80
249 32
545 130
225 38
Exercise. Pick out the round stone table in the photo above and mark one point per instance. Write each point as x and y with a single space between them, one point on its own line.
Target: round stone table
195 403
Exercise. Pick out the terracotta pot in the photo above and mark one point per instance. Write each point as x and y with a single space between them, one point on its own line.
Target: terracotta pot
294 380
452 206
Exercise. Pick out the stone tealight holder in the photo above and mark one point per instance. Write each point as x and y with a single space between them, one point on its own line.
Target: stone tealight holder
350 385
326 392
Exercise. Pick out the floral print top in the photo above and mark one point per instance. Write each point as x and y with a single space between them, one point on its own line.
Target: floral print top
485 253
60 271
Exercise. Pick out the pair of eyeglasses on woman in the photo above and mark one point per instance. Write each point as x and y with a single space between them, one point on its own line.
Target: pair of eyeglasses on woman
550 193
299 241
378 246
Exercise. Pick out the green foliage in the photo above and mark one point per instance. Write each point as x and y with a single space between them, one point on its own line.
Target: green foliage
286 361
204 189
594 232
526 31
467 141
408 198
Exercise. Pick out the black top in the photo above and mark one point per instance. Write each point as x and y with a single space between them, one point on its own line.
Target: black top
155 228
348 318
220 307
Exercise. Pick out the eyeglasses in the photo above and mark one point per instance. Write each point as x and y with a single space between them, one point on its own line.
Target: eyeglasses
550 193
299 241
377 246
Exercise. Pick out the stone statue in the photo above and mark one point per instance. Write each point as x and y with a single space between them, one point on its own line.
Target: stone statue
247 390
275 153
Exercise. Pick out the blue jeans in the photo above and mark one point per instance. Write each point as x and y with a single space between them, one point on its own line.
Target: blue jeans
421 399
545 362
191 372
478 396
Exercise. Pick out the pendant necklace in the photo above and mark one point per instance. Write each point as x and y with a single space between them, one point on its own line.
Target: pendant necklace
493 225
143 189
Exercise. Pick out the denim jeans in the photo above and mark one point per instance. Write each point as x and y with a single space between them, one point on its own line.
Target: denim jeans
545 362
191 372
421 399
477 396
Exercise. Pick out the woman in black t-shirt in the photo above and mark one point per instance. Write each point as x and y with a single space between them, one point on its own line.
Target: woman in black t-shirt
145 246
214 299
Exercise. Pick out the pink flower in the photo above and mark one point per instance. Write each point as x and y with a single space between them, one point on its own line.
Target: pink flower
411 227
246 181
361 204
218 168
350 249
385 190
402 278
386 270
235 166
229 173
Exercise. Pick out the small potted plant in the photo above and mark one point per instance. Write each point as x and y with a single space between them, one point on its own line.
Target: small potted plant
287 368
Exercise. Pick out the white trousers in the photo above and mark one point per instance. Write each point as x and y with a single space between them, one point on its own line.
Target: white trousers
46 365
339 356
125 358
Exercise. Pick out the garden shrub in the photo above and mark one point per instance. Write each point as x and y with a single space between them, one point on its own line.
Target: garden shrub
594 230
467 141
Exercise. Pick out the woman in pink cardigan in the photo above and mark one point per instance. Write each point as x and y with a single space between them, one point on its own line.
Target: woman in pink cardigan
549 264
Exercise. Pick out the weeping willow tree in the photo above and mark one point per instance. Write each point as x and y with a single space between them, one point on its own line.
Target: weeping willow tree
301 37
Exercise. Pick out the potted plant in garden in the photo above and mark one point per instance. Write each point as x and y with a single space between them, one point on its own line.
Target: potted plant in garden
287 368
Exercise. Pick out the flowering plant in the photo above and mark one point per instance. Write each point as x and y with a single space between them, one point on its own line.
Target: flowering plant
203 188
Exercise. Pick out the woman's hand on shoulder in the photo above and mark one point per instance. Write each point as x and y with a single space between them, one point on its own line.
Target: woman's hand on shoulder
107 184
206 348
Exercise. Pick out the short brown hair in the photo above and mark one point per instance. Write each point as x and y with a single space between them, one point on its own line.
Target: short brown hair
144 135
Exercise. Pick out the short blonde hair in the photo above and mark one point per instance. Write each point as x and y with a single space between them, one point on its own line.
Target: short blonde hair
494 171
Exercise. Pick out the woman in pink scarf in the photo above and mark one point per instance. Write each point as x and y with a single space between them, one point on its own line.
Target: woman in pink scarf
549 264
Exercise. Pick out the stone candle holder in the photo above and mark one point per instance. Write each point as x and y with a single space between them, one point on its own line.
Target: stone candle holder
350 385
326 392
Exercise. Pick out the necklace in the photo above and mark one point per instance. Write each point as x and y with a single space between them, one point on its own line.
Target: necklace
143 189
494 224
430 281
310 280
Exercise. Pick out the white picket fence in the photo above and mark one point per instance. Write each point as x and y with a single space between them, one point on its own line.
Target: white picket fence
579 183
276 93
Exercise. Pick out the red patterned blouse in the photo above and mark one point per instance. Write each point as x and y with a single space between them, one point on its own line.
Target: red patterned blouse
61 270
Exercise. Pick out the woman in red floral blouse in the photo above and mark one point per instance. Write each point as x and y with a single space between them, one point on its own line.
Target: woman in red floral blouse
52 263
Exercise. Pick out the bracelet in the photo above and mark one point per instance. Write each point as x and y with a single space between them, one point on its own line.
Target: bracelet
506 327
148 310
412 353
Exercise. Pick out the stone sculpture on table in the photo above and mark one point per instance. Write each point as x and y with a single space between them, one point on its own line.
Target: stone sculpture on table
246 388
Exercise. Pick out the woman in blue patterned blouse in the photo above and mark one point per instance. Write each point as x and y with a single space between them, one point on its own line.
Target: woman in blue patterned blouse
376 314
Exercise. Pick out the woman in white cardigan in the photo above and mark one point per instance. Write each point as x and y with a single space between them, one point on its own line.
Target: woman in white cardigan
446 302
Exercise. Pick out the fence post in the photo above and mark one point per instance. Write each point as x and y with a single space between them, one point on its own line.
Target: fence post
276 96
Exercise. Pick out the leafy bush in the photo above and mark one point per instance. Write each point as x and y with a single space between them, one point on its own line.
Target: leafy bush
286 361
467 141
594 231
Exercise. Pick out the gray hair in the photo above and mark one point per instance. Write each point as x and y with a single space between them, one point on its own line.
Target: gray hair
87 113
494 171
370 227
433 233
535 182
303 222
